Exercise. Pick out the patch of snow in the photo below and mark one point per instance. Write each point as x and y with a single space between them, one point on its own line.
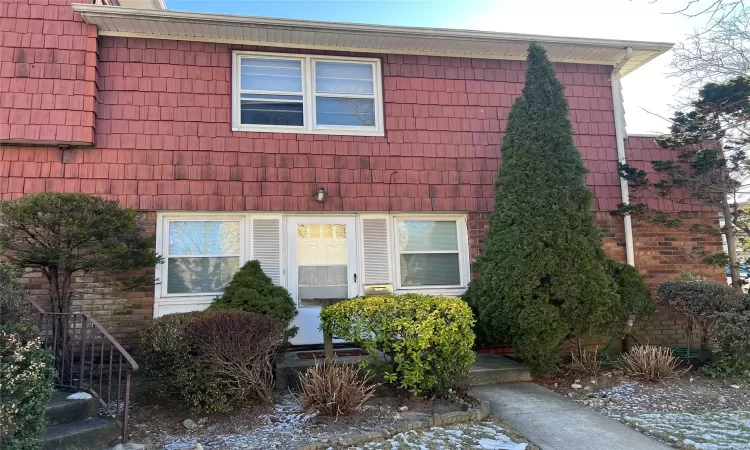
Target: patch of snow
79 396
484 435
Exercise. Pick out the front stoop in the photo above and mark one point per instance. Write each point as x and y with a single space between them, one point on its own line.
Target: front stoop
492 369
75 425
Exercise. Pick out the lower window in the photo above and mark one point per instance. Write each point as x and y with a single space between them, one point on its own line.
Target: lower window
428 253
202 255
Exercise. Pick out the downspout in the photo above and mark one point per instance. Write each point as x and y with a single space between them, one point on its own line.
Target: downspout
620 136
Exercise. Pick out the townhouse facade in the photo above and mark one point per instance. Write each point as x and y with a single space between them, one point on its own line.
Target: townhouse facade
346 158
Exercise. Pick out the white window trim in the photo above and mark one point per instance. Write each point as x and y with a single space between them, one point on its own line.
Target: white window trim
463 253
167 302
309 95
162 243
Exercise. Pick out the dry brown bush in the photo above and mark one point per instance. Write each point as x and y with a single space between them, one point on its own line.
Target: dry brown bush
651 363
239 349
332 389
586 362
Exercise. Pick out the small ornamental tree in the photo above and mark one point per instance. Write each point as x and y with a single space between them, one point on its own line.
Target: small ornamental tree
709 165
60 234
542 275
251 290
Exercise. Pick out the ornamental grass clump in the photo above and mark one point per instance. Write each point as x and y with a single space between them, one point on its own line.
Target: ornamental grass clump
586 362
428 337
334 389
651 363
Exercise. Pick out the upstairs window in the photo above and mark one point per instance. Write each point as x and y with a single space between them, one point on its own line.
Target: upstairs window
307 94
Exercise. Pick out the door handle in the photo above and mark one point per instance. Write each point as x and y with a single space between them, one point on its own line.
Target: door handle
355 277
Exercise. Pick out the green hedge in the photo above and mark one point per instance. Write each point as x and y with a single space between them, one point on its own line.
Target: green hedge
251 290
26 382
430 337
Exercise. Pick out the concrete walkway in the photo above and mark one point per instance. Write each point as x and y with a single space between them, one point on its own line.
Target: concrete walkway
554 422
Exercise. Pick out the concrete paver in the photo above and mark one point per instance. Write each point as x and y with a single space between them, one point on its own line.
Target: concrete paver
554 422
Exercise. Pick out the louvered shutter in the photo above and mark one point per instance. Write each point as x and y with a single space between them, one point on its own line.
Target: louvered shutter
267 246
375 246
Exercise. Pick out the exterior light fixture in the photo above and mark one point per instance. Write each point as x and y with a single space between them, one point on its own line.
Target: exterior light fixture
320 196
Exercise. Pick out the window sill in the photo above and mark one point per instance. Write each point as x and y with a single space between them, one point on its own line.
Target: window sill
448 291
331 132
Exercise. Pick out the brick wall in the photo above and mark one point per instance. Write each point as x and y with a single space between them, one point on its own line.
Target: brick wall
47 74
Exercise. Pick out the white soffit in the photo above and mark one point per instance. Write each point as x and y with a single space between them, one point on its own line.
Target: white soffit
227 28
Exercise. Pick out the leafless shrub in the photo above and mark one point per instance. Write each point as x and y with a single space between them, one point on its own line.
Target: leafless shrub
586 362
651 363
332 389
239 348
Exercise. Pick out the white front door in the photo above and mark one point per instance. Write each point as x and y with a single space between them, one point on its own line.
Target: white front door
322 266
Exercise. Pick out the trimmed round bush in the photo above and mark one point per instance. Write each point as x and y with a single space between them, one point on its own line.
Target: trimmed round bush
215 360
730 345
429 337
699 301
252 291
26 381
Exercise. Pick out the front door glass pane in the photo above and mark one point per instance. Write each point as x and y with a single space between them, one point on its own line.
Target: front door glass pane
322 261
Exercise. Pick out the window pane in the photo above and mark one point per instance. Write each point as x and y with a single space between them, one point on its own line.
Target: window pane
204 237
322 258
343 78
431 269
258 109
423 235
357 112
278 75
200 275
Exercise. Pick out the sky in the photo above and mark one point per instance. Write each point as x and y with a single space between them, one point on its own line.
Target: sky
648 92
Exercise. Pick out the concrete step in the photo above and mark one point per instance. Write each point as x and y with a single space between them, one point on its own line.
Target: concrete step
493 369
60 410
89 434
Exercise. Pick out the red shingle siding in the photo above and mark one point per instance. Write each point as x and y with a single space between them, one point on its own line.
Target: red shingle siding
47 73
164 138
640 152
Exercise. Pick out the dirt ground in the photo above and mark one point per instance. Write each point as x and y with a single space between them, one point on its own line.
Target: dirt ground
693 411
157 420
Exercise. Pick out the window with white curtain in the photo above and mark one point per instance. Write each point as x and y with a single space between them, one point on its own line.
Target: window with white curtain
307 94
429 253
201 255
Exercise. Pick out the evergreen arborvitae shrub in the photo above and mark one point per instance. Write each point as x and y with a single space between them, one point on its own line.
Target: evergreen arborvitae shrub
251 290
542 275
635 295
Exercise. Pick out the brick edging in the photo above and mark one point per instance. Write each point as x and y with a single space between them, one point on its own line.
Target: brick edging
476 413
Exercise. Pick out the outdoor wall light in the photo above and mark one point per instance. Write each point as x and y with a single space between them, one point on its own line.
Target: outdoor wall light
320 195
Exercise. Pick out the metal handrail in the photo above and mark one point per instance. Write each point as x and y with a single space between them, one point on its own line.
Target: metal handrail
61 339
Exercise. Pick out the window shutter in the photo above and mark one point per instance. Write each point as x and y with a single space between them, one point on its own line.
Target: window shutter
267 246
375 245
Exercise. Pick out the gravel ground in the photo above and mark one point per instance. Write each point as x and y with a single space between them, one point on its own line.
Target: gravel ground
288 427
693 412
484 435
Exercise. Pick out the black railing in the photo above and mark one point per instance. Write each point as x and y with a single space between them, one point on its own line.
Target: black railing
89 359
